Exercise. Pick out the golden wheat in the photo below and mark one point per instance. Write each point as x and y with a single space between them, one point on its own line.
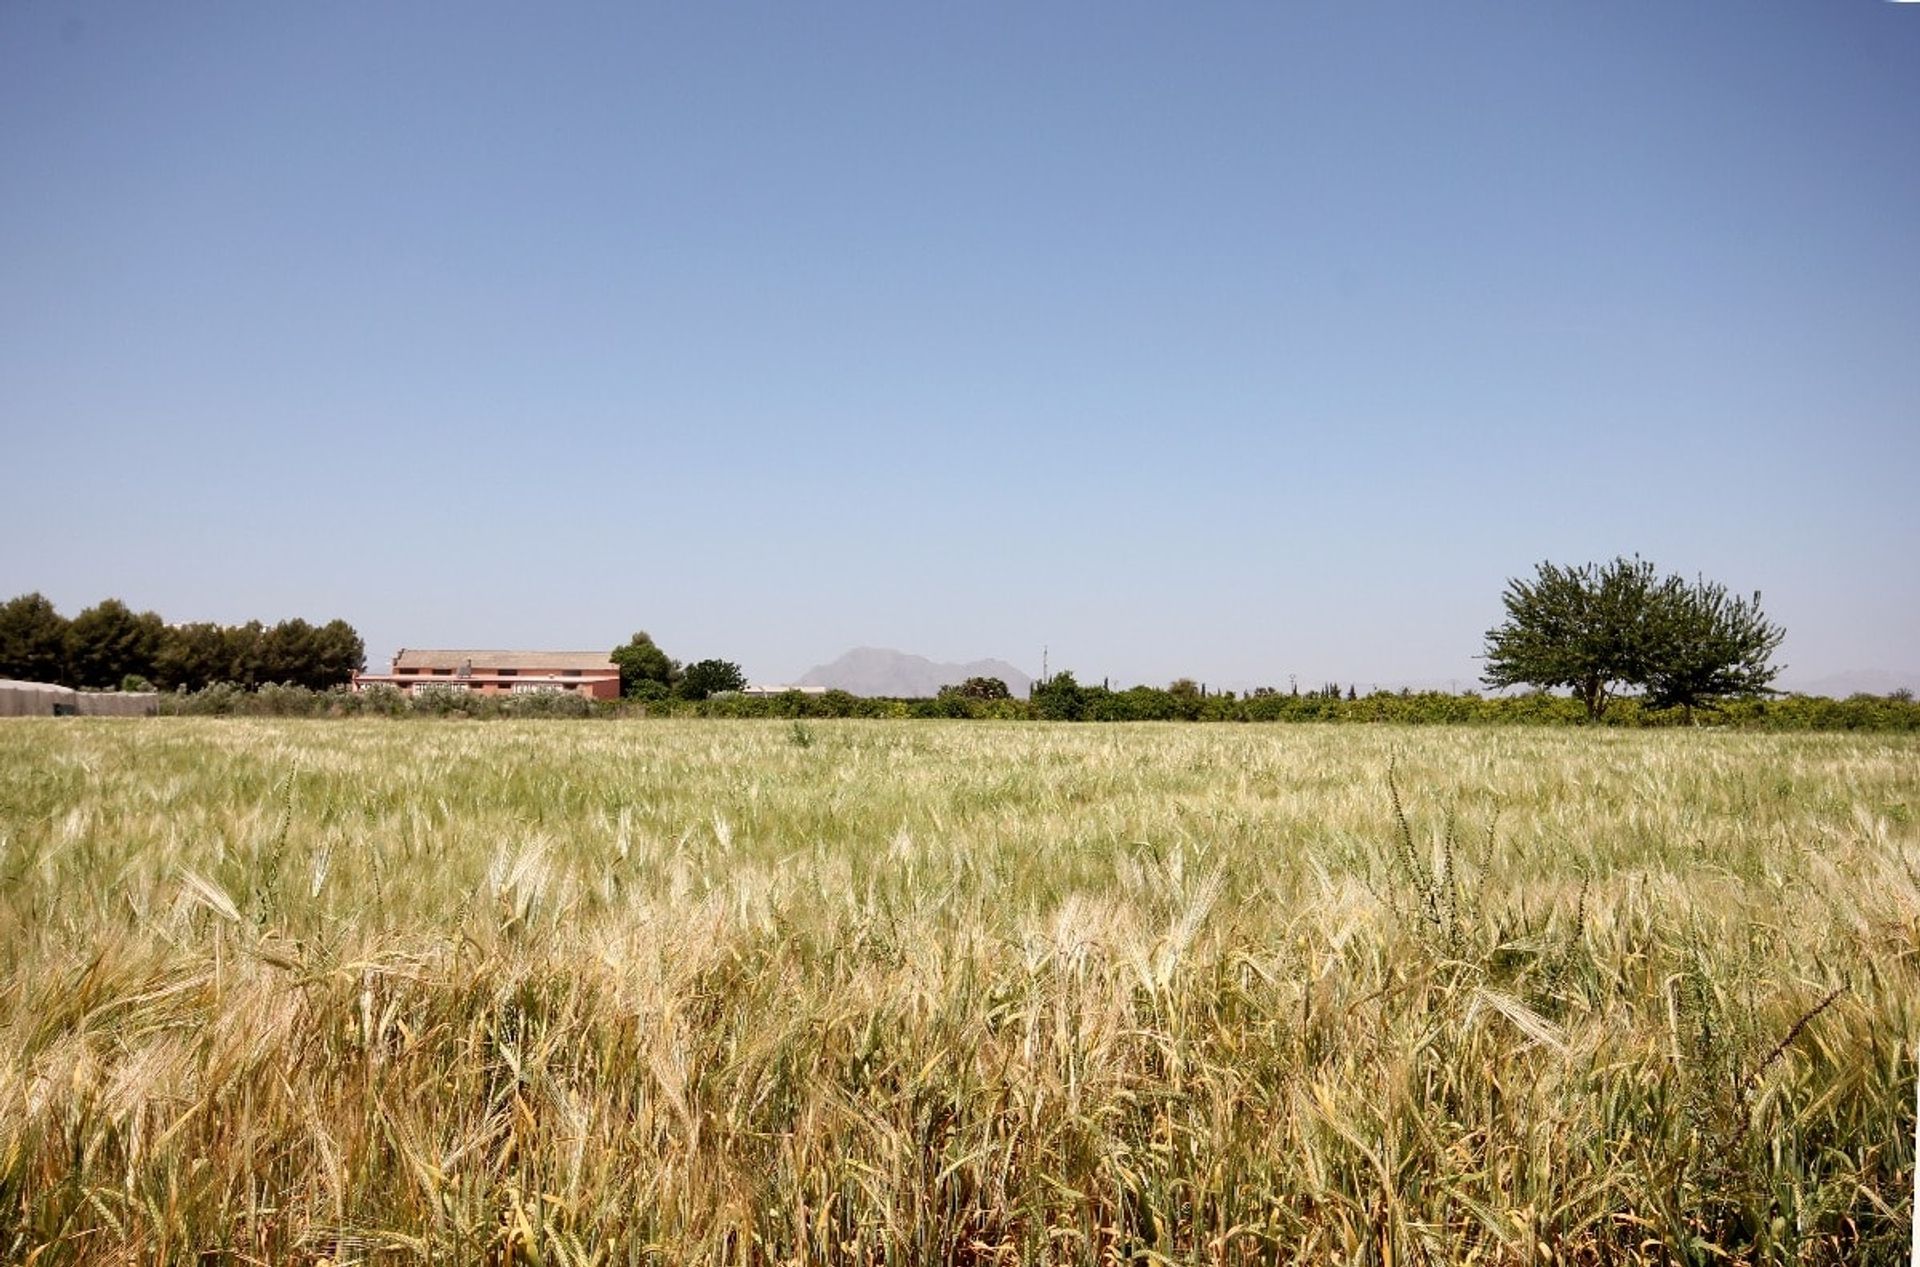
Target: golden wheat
718 992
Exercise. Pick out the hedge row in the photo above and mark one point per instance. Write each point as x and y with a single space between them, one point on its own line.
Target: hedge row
1089 704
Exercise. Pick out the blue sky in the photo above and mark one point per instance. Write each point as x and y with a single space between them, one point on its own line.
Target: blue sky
1223 340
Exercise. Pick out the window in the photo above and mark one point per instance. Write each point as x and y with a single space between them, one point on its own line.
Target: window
569 673
508 672
443 672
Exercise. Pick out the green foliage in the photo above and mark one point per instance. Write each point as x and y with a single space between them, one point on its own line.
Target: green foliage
194 656
1580 627
301 654
641 661
1708 646
33 640
108 641
546 704
1059 698
709 677
982 688
1096 704
1597 629
243 650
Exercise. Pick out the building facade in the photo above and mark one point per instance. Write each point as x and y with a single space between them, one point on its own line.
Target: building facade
588 673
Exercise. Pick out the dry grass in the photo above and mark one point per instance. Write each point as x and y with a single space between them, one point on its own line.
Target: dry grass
917 993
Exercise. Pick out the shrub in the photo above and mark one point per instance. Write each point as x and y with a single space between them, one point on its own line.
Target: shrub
547 704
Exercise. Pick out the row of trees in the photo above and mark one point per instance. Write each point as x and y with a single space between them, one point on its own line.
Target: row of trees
648 673
1600 629
1597 629
1093 703
110 645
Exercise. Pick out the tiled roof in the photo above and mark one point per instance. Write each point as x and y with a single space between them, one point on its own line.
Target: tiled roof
481 661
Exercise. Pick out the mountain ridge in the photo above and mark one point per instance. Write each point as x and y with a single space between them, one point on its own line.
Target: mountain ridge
887 673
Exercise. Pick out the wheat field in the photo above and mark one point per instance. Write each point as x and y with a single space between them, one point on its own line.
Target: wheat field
865 992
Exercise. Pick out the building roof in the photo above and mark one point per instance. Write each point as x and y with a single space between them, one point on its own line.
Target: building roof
596 661
36 688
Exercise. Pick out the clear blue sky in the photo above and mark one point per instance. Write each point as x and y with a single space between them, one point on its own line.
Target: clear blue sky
1223 340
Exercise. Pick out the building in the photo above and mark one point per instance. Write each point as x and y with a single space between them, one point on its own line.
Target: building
45 699
588 673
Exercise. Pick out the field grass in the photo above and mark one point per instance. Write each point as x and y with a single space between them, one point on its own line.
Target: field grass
864 992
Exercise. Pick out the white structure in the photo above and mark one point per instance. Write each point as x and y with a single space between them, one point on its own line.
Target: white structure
44 699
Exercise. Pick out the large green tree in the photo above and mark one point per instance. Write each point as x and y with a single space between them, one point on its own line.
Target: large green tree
1707 645
1059 698
338 654
1600 628
1581 627
109 642
286 652
710 677
33 640
644 668
193 656
987 688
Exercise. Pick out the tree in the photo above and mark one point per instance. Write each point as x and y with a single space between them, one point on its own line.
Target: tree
339 653
1705 645
316 657
108 641
1597 629
193 656
1059 698
246 653
1586 628
641 661
287 650
33 640
710 677
980 688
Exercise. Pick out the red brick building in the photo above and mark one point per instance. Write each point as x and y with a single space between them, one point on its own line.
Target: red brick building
588 673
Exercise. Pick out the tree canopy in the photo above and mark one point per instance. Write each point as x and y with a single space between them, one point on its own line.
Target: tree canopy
710 677
1599 628
109 644
642 663
1708 645
979 688
33 640
1059 698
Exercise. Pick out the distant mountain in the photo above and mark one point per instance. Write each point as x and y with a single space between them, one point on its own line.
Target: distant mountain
1854 681
876 671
